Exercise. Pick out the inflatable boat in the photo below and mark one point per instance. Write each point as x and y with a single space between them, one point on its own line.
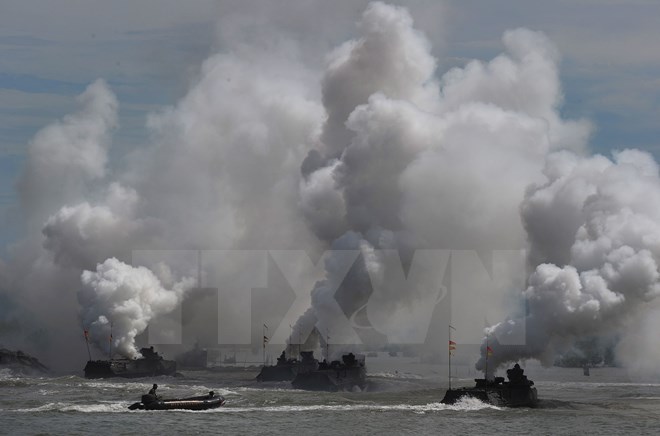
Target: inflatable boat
193 403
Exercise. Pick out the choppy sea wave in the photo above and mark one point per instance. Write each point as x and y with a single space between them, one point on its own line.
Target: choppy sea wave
396 401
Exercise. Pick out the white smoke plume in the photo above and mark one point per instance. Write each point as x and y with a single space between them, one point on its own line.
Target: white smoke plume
66 156
119 300
594 225
66 160
409 161
241 137
84 234
229 150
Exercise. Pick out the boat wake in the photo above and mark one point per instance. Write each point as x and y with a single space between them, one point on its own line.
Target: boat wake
396 375
102 407
466 405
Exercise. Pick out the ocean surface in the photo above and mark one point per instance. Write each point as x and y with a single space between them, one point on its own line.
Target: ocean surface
403 397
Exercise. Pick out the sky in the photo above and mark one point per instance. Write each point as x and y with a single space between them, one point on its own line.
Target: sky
148 51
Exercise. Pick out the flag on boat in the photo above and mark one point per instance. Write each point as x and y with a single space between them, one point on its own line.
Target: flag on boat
452 345
489 351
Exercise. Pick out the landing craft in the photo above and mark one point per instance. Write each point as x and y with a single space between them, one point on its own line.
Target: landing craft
149 365
337 375
284 370
517 392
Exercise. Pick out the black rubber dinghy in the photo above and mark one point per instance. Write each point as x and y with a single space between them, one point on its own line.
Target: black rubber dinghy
193 403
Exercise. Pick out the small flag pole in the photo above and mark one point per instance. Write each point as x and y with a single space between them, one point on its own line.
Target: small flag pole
488 351
265 340
486 375
450 350
86 333
110 341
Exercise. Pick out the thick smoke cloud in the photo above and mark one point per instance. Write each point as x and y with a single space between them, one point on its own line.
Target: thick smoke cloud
225 154
600 254
119 300
64 157
65 162
377 151
409 161
391 58
82 235
228 151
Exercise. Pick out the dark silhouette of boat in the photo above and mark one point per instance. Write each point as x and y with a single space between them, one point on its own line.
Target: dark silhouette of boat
149 365
21 362
204 402
284 370
337 375
196 358
518 391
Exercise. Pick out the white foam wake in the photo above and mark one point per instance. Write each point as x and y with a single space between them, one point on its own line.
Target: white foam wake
103 407
397 375
464 405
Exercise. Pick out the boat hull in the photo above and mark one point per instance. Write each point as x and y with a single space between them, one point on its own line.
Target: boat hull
333 380
344 375
129 368
523 396
285 372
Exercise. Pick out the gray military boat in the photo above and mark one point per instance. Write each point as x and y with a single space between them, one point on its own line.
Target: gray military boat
284 370
337 375
518 391
149 365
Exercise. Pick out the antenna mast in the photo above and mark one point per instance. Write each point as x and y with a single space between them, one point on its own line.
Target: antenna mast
451 348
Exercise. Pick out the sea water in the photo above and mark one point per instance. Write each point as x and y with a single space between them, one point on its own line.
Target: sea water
405 400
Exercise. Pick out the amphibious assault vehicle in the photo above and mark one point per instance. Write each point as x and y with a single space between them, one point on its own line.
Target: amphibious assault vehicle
337 375
284 370
518 391
149 365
